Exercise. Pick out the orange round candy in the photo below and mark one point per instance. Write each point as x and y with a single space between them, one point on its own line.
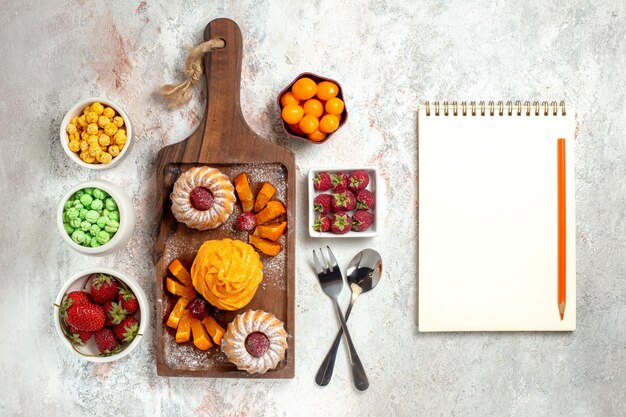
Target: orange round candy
309 124
304 88
334 106
292 114
329 123
317 136
295 129
313 107
288 98
327 90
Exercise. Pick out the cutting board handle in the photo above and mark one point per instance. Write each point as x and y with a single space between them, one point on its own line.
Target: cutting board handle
222 67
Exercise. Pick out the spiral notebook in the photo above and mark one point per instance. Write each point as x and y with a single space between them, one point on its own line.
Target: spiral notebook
496 217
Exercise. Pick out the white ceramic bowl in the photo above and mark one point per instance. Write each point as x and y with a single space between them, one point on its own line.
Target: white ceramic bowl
77 110
77 282
127 218
373 186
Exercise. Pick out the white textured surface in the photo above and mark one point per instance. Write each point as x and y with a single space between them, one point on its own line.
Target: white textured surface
389 56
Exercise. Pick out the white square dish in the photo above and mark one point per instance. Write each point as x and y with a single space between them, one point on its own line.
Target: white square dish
372 172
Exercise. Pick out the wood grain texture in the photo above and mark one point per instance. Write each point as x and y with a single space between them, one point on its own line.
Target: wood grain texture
223 140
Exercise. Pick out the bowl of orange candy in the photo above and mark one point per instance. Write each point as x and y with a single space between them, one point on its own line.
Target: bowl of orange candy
312 108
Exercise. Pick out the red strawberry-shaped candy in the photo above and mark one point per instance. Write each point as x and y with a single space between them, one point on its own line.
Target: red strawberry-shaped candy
322 223
257 344
358 180
106 342
339 181
127 329
246 222
128 301
341 223
365 200
103 289
322 203
79 337
201 198
85 317
72 298
362 220
198 308
344 201
114 313
322 181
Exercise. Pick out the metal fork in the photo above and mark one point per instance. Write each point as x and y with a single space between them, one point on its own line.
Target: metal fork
331 281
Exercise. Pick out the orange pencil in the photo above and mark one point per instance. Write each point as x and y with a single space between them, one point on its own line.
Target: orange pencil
561 225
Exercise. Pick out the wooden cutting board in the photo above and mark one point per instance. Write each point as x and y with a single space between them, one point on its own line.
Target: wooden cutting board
224 141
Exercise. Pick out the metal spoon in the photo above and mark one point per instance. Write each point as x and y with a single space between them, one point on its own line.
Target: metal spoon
364 273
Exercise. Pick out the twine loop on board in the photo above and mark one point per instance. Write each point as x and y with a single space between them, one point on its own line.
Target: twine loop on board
179 94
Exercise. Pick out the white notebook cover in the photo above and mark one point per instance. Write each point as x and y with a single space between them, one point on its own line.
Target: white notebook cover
488 222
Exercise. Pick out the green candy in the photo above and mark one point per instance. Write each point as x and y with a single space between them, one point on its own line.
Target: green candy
79 193
114 215
85 226
103 237
102 221
94 230
106 212
92 216
78 205
78 236
69 229
110 204
68 204
97 204
75 223
86 200
87 241
94 243
72 213
83 214
99 194
88 191
112 226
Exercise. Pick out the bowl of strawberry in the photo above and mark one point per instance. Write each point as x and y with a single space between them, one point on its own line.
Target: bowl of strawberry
101 314
342 202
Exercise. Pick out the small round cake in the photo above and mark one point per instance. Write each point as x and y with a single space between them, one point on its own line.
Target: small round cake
227 273
203 198
255 341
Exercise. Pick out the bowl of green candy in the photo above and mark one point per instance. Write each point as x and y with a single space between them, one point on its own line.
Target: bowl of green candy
96 218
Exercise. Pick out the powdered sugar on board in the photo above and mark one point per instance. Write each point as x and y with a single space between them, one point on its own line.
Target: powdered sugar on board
271 296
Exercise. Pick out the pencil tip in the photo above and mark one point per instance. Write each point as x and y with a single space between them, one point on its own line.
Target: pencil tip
562 309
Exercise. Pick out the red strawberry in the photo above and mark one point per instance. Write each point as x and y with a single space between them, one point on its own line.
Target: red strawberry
106 341
79 337
86 317
322 181
246 222
322 223
198 308
72 298
339 181
127 329
341 223
358 180
322 203
103 289
114 313
362 220
365 200
344 201
128 301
